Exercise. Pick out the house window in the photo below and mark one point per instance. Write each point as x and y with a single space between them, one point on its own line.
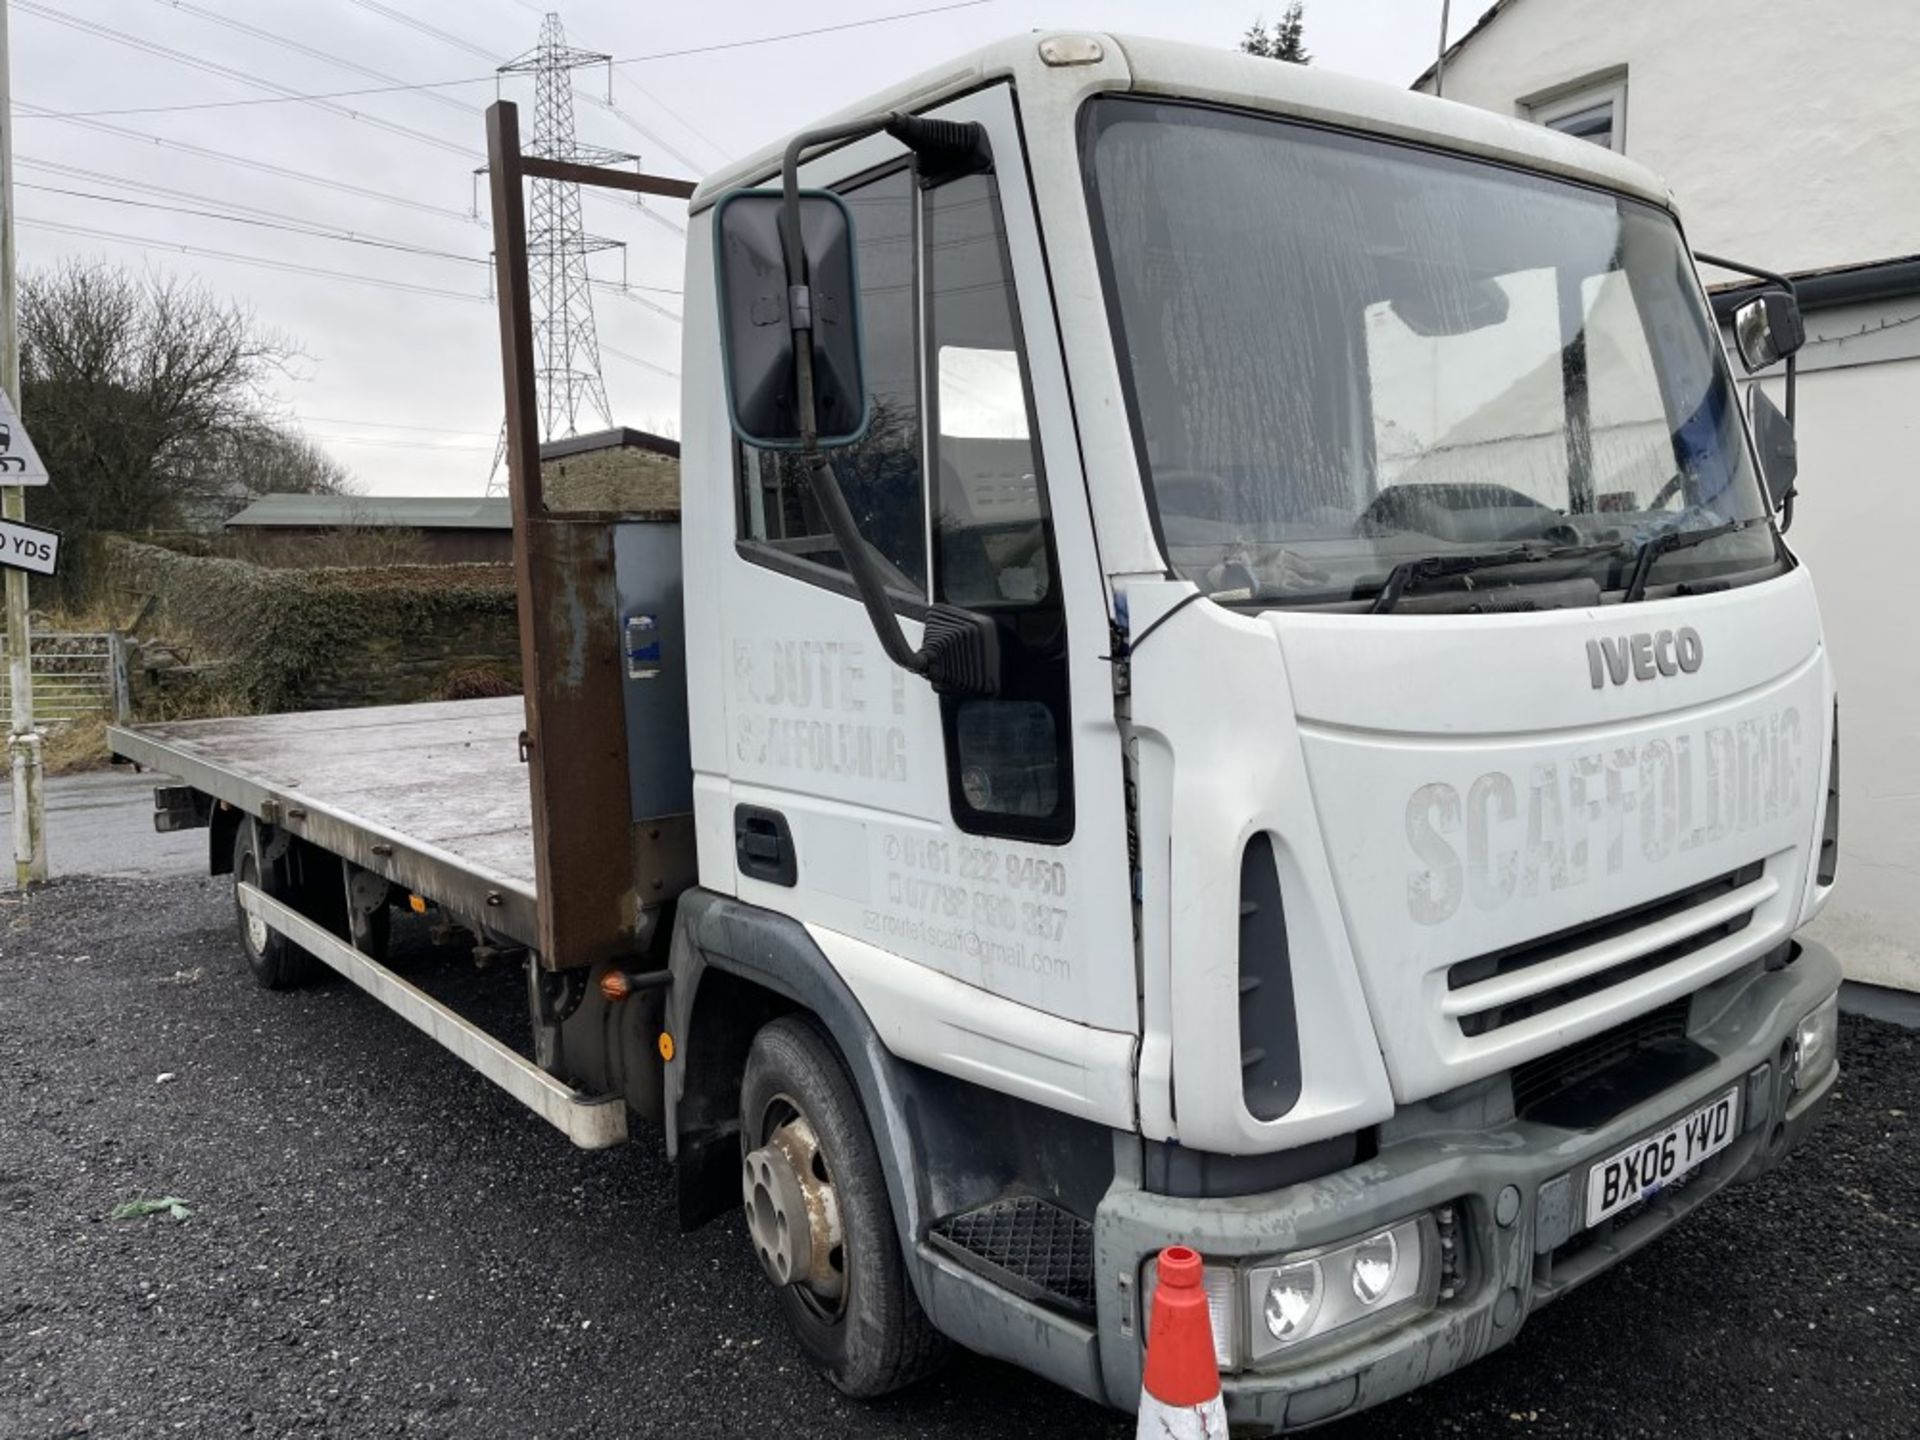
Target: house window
1594 111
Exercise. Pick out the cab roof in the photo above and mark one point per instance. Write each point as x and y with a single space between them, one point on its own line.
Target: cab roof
1136 65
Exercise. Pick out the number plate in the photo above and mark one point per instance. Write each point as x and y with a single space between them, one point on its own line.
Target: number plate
1659 1159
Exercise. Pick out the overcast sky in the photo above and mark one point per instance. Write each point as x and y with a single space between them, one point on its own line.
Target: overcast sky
402 386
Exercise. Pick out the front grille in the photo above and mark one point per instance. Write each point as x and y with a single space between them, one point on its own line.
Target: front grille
1524 980
1590 1081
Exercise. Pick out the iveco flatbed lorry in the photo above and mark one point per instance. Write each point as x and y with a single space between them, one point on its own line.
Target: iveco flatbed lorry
1227 673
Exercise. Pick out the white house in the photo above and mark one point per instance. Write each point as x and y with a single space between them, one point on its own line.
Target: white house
1790 134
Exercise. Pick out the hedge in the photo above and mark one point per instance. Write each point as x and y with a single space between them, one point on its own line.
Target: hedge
304 638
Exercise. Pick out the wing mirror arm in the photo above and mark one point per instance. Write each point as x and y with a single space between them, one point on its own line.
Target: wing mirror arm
960 653
1767 327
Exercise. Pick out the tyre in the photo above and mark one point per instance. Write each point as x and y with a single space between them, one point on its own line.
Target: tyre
277 963
820 1219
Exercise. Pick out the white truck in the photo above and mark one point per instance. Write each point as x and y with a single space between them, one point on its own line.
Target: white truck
1227 674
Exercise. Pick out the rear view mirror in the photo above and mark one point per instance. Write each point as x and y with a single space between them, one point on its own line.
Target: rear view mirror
1455 308
1767 329
756 325
1773 438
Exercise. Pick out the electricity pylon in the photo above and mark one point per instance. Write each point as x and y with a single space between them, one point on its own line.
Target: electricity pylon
566 349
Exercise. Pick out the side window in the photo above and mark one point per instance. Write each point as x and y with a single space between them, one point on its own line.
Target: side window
1008 757
881 475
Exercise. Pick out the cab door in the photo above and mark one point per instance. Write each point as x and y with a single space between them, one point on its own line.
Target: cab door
963 861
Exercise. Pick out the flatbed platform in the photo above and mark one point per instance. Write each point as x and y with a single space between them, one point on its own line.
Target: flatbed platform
432 796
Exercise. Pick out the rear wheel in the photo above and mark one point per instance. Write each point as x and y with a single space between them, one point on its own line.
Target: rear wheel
819 1216
277 963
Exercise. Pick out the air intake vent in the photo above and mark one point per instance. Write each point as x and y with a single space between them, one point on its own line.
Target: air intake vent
1269 1041
1830 833
1507 986
1591 1081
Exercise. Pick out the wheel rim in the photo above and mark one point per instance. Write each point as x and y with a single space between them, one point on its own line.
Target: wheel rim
256 928
793 1210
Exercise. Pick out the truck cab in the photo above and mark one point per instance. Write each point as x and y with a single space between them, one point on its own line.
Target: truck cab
1228 674
1408 758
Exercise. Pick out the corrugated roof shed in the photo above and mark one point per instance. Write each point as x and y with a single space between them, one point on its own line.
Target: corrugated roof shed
395 512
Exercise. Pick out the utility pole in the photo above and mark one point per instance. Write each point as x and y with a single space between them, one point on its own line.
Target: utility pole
23 742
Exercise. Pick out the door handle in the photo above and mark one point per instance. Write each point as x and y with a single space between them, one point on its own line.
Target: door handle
763 845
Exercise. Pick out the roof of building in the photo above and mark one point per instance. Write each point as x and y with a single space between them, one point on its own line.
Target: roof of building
1830 285
621 437
1208 73
376 512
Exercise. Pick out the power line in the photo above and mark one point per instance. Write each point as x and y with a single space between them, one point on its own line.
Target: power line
194 62
265 167
300 47
643 302
384 443
804 34
147 187
447 37
634 125
387 425
321 232
620 354
400 17
348 237
685 124
291 267
295 227
41 112
259 100
147 242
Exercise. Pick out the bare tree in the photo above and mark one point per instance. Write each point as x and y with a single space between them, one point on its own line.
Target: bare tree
237 465
146 394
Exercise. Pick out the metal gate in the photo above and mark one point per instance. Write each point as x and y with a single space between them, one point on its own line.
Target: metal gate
76 676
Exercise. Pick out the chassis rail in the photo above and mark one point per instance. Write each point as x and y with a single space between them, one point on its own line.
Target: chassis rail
593 1122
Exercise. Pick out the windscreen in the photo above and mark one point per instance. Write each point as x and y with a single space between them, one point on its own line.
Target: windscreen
1345 354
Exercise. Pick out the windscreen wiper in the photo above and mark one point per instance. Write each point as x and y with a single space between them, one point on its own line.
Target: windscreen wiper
1665 543
1437 567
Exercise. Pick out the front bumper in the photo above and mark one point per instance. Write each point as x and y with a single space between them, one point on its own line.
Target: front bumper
1517 1189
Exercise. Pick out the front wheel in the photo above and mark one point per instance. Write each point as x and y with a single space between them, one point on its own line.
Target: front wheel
819 1216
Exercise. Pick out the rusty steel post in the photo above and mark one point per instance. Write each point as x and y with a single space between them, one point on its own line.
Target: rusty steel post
576 741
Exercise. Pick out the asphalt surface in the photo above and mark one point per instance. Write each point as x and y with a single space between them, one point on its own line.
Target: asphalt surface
382 1245
101 823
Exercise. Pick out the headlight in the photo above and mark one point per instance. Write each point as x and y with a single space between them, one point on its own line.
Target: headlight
1816 1043
1376 1263
1264 1309
1292 1301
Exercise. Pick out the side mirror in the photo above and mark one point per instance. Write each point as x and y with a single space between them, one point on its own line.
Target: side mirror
756 327
1767 329
1779 451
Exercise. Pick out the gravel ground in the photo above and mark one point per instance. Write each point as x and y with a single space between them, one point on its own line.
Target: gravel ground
381 1245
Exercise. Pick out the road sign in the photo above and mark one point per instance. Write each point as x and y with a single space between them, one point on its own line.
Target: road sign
28 547
19 462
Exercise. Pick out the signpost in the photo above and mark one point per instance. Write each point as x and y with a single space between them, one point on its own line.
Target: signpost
23 741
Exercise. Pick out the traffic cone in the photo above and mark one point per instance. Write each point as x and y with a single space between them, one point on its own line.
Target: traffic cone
1180 1392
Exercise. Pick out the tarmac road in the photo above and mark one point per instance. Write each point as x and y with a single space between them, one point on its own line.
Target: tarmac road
381 1245
101 823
